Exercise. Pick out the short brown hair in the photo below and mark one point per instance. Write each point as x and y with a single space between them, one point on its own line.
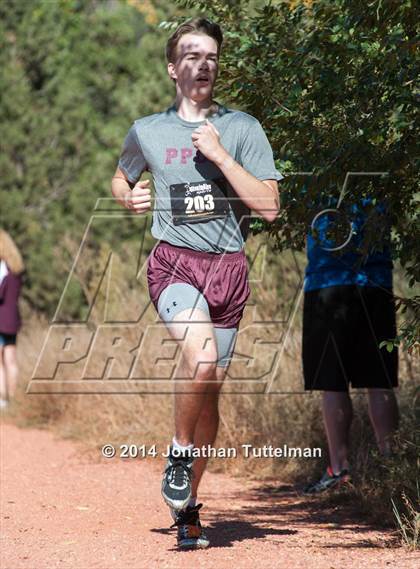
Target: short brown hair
196 25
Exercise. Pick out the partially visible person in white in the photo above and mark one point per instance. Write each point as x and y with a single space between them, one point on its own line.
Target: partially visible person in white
11 270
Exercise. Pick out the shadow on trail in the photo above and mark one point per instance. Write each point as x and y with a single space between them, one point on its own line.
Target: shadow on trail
280 510
227 532
283 510
339 510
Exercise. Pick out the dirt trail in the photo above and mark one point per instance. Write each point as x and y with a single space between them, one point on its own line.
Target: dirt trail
61 508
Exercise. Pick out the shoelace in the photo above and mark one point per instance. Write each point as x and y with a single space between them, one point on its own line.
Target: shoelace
180 472
187 517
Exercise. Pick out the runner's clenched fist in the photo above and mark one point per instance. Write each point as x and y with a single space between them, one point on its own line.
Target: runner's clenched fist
206 138
139 198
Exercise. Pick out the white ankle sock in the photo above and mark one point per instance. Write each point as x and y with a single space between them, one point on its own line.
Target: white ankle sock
181 448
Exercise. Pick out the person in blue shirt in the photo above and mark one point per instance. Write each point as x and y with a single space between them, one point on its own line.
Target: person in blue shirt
348 311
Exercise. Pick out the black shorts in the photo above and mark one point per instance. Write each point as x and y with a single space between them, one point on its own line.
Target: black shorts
342 329
7 339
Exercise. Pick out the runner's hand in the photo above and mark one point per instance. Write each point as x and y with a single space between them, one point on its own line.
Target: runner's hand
206 139
139 198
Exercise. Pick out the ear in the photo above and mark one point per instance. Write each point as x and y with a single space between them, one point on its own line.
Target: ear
171 71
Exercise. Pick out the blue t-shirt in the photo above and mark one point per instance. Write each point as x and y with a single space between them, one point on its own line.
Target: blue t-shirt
346 266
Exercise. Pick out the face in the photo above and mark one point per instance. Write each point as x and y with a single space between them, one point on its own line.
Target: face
196 66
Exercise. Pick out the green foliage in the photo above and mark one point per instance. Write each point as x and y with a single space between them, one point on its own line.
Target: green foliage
76 73
409 327
335 86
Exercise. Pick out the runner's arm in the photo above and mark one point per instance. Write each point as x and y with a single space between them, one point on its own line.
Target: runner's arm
136 197
121 187
261 196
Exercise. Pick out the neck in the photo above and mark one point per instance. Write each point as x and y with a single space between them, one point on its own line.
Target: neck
194 111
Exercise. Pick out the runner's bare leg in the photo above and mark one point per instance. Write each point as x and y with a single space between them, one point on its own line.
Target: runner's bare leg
194 331
207 426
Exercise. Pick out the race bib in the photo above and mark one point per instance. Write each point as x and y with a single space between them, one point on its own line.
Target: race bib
193 202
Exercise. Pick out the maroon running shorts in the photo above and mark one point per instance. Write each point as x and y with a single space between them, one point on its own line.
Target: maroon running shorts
222 278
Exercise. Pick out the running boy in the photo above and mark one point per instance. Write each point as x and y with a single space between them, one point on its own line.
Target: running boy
210 165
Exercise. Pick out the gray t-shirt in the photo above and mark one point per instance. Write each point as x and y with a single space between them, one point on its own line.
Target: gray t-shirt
183 177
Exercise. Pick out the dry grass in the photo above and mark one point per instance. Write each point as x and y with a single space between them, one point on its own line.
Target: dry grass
408 522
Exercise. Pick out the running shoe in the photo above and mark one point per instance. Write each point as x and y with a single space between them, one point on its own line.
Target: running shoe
190 532
176 483
329 480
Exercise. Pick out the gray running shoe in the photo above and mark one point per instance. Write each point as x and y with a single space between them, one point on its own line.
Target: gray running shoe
328 481
190 532
176 483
